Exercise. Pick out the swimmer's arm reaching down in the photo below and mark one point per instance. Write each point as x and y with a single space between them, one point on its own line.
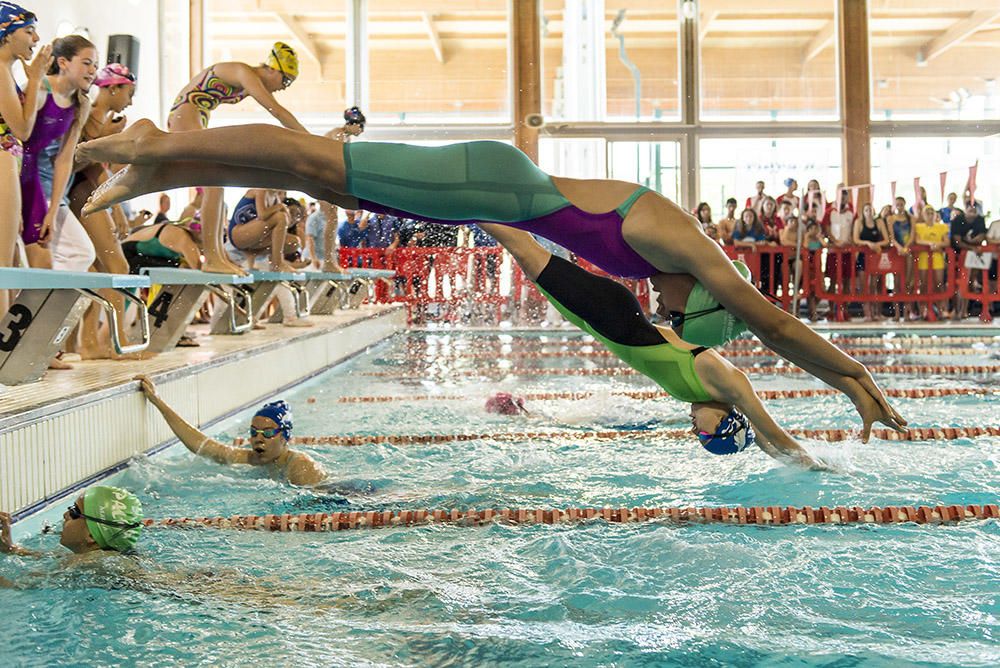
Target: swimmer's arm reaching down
728 384
248 80
195 440
787 336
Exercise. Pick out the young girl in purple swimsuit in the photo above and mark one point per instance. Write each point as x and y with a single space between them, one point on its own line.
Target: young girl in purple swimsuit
64 107
640 230
17 118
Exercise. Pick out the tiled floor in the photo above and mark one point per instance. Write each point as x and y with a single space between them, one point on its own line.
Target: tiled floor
94 376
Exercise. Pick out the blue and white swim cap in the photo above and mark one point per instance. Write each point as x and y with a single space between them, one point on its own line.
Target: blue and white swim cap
734 434
280 413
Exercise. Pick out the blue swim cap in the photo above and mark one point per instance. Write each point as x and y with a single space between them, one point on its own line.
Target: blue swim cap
734 434
281 413
789 181
14 17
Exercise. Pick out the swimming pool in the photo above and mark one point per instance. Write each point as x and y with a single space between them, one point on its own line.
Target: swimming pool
591 594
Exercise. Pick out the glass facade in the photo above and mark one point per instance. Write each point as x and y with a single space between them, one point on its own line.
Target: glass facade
768 61
613 89
938 62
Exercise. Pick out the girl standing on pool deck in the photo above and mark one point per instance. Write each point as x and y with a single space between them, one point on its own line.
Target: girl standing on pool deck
63 109
231 83
18 110
623 228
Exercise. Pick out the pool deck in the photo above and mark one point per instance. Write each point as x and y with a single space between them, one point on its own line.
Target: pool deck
76 426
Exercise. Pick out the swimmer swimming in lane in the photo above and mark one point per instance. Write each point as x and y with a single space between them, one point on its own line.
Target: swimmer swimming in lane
727 416
623 228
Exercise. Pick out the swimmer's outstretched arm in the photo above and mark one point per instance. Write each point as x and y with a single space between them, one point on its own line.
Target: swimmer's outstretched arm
784 333
8 546
728 384
195 441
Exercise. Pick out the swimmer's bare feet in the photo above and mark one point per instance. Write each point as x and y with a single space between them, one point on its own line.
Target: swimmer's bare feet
124 147
221 265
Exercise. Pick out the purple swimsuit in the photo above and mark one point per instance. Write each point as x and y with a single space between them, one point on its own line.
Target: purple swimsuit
596 237
51 123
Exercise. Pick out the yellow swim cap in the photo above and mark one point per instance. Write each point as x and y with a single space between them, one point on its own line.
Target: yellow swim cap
283 59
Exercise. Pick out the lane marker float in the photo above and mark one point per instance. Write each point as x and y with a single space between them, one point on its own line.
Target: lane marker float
652 394
898 369
757 515
828 435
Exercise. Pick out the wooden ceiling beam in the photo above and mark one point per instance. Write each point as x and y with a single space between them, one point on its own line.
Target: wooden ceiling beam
823 39
309 45
956 33
432 34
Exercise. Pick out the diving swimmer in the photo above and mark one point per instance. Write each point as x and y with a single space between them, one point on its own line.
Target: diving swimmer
726 414
623 228
270 430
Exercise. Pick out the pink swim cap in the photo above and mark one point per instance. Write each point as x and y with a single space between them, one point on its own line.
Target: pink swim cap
505 403
114 74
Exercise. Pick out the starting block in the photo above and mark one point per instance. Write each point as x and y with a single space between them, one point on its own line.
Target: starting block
48 308
261 292
181 294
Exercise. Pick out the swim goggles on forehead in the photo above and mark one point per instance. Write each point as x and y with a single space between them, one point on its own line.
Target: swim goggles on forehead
286 80
75 514
266 433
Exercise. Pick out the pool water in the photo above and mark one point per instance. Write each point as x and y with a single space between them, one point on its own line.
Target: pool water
588 595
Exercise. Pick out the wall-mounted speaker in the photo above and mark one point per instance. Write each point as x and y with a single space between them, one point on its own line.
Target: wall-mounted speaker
124 49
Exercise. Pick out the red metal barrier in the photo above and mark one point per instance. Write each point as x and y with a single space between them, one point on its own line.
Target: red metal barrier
842 278
988 292
370 258
772 269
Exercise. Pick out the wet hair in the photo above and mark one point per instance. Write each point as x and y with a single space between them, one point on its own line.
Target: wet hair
68 47
731 200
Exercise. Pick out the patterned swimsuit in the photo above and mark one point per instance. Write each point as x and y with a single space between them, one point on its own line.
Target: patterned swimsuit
207 94
8 142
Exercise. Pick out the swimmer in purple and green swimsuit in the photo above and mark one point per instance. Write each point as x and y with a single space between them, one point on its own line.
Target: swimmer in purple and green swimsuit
487 181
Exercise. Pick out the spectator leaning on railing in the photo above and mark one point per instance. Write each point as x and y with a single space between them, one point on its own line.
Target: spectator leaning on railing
871 233
901 236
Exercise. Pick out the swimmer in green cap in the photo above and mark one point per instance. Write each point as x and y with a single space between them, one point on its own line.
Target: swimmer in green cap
726 414
102 518
270 430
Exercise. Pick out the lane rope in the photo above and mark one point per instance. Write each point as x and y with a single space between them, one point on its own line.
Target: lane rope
756 515
899 369
652 394
828 435
912 341
736 353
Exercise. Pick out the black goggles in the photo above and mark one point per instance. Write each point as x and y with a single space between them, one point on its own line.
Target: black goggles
75 514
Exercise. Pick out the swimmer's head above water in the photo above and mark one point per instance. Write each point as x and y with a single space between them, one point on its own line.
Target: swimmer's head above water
270 430
722 429
505 403
102 518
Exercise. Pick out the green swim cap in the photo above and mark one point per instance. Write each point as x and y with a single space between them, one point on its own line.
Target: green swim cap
117 517
705 322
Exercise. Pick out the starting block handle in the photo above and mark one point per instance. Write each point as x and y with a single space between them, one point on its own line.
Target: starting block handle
301 298
116 342
234 327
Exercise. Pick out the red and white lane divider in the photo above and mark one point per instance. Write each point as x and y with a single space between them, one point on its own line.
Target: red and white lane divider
581 342
652 394
829 435
734 353
908 369
757 515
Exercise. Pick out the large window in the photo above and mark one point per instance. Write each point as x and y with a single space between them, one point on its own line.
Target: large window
244 30
768 63
730 167
438 61
903 159
935 60
655 165
611 60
